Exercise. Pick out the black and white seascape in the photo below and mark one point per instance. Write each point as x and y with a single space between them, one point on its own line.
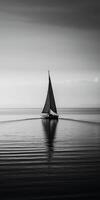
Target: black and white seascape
49 99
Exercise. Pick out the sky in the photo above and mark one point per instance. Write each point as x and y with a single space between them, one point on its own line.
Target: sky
62 36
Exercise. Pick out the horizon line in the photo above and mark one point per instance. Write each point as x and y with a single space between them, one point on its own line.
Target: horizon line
57 108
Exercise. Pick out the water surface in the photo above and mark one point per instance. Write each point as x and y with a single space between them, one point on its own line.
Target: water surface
42 159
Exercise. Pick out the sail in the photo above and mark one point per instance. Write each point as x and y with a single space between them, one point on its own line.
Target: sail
50 100
46 108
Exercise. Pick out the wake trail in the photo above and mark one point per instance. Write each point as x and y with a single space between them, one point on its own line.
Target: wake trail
78 120
17 120
60 118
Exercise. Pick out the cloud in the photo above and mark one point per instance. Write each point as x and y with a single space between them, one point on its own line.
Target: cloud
78 14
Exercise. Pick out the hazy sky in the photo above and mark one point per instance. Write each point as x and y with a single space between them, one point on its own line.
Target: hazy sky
60 35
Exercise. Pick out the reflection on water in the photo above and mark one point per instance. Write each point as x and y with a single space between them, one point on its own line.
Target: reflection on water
49 127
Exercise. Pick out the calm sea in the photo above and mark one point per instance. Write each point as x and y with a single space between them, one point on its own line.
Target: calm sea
42 159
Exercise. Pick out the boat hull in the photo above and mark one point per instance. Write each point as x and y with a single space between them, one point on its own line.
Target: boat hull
50 116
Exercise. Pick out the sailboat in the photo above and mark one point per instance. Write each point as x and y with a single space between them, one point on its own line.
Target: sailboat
50 111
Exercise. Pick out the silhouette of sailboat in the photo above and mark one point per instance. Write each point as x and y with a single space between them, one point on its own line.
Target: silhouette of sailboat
50 111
